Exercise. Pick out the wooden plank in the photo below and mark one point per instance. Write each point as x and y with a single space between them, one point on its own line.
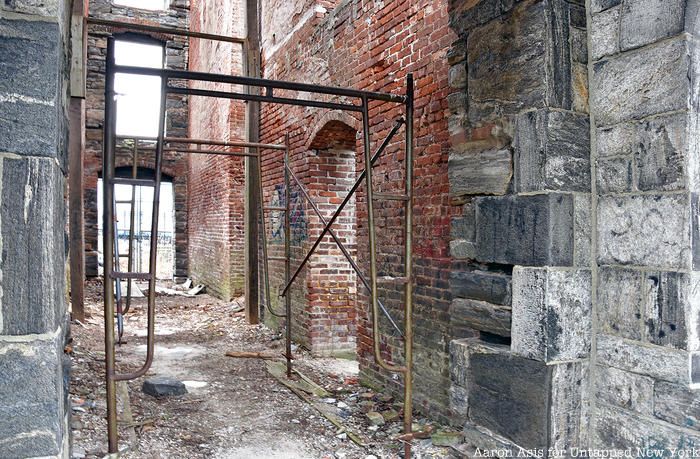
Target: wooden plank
251 213
76 144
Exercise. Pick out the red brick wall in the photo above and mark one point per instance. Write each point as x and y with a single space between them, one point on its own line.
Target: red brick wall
215 197
372 45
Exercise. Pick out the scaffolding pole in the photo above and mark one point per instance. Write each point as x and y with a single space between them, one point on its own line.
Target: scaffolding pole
360 105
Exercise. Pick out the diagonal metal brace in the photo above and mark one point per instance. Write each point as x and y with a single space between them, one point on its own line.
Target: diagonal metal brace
342 205
342 248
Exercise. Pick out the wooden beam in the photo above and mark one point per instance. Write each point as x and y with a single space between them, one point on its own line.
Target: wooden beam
252 69
76 147
76 143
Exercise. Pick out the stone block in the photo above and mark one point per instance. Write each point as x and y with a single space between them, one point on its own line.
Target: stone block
667 308
602 5
645 230
481 316
620 302
462 249
568 401
661 153
615 428
457 76
480 172
464 227
31 390
614 175
32 231
457 52
617 140
459 401
659 362
503 399
161 386
459 361
677 404
647 21
552 151
579 45
605 33
642 83
582 230
625 390
50 9
551 313
481 285
29 87
533 230
519 59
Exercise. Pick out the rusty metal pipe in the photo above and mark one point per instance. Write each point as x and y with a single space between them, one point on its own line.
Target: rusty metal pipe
374 294
288 256
408 255
108 246
153 255
164 30
132 215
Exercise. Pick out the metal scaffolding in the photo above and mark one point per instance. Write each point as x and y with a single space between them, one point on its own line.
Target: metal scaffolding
360 104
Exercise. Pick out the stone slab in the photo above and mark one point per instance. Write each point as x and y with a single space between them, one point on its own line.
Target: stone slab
641 83
647 21
480 172
534 230
620 308
625 390
677 404
552 151
646 230
492 287
615 428
658 362
161 386
31 390
32 231
503 400
551 313
605 33
481 316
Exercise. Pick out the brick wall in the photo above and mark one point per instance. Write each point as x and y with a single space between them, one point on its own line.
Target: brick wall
174 164
372 45
215 199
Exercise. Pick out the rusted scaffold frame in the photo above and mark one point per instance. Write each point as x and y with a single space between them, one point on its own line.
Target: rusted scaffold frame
268 88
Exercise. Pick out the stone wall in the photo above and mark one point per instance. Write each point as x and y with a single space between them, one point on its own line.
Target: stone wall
215 201
368 45
644 105
519 169
33 161
174 164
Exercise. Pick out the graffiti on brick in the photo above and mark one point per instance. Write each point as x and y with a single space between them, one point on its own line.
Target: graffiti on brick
297 218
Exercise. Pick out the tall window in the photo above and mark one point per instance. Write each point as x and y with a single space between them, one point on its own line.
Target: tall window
138 96
144 4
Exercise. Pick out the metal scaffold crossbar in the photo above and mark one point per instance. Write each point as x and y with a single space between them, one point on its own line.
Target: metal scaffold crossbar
346 99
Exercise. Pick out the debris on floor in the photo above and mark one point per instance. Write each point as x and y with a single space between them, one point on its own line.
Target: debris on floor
234 407
162 386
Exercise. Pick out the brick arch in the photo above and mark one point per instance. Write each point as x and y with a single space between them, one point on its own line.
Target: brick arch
334 129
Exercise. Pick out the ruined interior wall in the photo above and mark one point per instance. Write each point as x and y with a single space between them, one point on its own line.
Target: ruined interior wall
519 169
373 45
174 164
215 198
34 408
644 103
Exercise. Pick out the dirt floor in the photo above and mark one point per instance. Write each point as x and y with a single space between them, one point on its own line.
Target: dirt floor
234 407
